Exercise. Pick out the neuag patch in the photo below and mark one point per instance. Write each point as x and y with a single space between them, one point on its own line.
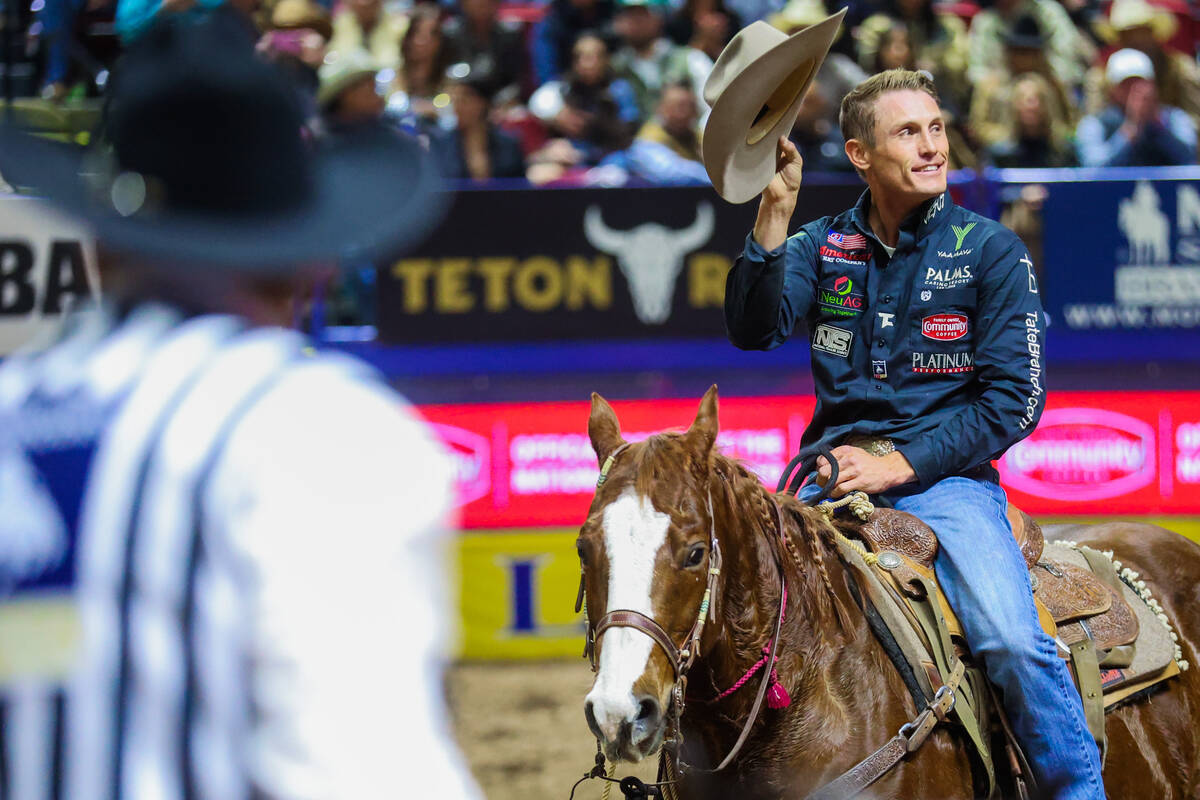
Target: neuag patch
944 327
840 298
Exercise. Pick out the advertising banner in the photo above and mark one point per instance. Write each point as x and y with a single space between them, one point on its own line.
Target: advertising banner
575 264
1109 453
533 464
47 262
1096 453
1124 257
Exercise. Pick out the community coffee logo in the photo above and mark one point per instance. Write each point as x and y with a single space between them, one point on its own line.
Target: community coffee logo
944 327
841 299
470 455
1082 454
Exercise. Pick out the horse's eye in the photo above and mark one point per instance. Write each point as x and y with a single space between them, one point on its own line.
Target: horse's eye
582 555
695 556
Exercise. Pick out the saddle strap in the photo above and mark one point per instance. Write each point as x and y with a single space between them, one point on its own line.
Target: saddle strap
907 740
928 612
1086 666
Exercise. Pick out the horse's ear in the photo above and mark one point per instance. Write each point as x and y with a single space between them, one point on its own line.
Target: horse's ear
603 428
703 433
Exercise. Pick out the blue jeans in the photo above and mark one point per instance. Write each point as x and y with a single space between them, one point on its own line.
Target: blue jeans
982 572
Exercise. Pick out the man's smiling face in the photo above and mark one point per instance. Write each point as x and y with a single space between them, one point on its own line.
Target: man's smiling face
910 154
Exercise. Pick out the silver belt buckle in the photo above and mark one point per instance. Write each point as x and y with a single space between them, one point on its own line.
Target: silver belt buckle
876 446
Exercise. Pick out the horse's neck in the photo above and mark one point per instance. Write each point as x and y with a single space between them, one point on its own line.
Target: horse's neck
836 672
749 594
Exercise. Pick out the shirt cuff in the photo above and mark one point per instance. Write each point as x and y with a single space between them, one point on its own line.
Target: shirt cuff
757 253
922 461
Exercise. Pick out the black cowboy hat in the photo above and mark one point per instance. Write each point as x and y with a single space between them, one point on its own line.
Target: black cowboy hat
204 161
1026 33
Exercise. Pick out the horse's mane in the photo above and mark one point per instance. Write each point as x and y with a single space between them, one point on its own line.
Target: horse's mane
812 535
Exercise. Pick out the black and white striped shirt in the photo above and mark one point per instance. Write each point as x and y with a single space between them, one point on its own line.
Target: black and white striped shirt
220 571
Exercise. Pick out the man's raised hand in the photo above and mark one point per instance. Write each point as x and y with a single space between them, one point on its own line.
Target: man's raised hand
789 167
779 198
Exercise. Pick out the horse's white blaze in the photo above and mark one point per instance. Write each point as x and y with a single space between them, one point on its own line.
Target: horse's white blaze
634 531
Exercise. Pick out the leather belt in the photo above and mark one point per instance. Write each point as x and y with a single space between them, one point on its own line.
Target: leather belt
880 446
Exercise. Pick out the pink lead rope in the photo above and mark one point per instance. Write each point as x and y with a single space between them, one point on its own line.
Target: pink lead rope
777 695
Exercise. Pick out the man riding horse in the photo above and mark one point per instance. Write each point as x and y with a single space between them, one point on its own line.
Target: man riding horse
926 328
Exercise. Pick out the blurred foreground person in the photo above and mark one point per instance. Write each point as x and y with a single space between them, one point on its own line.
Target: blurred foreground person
219 551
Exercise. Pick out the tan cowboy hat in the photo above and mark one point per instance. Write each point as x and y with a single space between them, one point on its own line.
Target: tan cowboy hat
755 90
799 14
297 14
1126 14
340 72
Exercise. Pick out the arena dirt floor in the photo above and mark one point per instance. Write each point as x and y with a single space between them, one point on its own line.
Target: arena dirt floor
521 726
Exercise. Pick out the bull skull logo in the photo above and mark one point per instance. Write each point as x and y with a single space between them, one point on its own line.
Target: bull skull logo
650 257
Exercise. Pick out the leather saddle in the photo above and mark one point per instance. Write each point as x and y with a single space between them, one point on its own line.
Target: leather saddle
1115 643
1068 596
1082 603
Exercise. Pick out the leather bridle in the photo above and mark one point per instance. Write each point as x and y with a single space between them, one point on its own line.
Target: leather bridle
683 657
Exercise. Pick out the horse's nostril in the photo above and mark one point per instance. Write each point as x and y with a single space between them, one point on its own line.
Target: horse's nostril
647 710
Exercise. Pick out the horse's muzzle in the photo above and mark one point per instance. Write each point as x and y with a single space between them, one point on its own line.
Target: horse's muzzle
627 737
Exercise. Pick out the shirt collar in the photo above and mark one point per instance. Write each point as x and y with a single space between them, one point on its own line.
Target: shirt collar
928 217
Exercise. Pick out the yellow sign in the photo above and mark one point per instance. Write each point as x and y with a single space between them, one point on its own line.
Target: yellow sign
39 637
517 594
537 283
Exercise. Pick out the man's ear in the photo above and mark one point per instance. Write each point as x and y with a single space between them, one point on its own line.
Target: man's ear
858 154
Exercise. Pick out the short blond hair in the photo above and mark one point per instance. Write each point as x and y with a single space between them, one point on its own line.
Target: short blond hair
857 117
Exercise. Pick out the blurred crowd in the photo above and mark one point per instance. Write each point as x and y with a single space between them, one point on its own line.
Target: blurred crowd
599 92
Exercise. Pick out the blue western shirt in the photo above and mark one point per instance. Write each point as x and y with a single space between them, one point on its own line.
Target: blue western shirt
938 347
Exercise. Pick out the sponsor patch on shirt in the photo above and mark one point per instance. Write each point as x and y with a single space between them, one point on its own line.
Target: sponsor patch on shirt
841 257
944 327
841 299
833 340
943 363
879 370
948 277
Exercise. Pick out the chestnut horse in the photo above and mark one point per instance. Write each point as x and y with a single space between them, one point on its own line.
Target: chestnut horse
646 547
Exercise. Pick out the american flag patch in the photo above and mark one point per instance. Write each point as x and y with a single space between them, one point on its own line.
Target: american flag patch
847 241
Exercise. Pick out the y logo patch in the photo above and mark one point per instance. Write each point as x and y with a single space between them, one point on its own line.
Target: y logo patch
961 233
